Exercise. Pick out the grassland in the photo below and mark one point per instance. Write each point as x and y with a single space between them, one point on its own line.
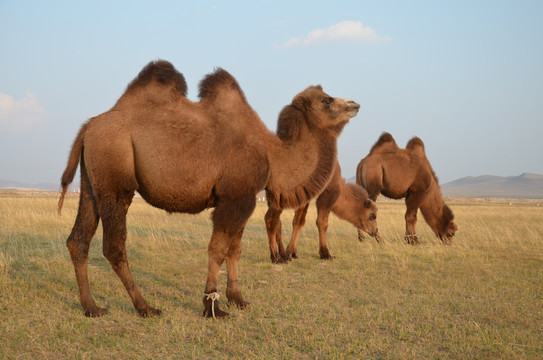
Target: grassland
481 298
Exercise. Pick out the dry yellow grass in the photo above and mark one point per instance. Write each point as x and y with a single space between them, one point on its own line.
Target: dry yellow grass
480 298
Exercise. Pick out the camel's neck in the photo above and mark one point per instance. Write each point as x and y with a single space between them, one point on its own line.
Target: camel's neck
432 207
301 169
344 202
347 206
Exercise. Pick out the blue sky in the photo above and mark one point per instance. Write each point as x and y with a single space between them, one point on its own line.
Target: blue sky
465 76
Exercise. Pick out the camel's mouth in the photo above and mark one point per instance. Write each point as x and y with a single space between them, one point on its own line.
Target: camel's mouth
352 108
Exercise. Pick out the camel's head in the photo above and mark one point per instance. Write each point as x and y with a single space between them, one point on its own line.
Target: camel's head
449 227
367 219
324 111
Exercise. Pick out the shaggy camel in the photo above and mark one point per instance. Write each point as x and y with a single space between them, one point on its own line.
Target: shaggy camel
406 173
185 156
349 202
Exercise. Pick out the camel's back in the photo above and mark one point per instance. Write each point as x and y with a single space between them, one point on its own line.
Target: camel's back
180 155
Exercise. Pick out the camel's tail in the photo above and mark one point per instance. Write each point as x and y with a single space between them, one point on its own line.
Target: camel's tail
71 167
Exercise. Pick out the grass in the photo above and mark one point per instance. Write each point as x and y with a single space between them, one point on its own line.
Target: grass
480 298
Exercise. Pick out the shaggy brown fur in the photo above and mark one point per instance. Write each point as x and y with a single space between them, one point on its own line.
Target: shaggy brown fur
349 202
406 173
185 156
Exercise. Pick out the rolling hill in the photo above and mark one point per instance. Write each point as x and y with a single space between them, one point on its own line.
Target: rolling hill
523 186
17 185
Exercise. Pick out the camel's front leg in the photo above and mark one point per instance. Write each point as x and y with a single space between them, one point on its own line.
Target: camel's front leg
411 236
217 249
273 228
298 222
233 292
322 226
229 220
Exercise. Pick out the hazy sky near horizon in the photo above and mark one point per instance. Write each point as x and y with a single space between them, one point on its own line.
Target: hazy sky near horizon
464 76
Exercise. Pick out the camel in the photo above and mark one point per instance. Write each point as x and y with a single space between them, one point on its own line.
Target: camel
185 156
349 202
406 173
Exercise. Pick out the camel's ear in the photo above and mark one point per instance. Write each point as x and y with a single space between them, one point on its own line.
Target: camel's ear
301 103
367 203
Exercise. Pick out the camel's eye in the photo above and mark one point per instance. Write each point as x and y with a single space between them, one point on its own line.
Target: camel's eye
373 217
328 101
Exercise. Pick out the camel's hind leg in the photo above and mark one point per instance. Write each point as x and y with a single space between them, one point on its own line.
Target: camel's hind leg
298 222
229 219
113 209
78 244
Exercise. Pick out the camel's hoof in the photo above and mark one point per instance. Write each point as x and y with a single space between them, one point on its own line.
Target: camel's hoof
211 306
280 259
240 304
219 314
149 312
235 298
325 255
412 239
96 312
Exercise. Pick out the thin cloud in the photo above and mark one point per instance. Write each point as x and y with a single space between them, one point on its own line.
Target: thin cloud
18 116
345 30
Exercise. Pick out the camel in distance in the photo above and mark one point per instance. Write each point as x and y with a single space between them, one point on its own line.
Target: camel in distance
350 202
185 156
406 173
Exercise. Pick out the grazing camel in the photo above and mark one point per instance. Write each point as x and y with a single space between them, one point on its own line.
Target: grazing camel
185 156
406 173
350 202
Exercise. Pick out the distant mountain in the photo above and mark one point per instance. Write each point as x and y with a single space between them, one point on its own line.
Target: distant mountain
522 186
8 184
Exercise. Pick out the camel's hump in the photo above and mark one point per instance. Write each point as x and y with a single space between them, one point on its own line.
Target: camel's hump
385 143
163 72
212 83
415 145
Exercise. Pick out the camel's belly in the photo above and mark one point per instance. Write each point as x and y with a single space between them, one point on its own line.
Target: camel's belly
186 199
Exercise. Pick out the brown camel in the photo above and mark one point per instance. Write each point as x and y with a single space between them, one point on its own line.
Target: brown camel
406 173
185 156
349 202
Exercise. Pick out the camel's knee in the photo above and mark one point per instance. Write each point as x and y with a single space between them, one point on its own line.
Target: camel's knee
218 250
78 242
234 251
411 218
322 224
272 217
114 252
271 221
79 251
